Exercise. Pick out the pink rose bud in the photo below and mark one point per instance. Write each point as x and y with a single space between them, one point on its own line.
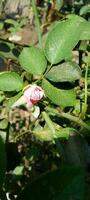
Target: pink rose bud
33 94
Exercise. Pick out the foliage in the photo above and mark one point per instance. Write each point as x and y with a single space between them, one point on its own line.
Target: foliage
44 145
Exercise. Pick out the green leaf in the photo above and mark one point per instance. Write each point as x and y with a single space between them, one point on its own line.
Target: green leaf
68 71
9 102
83 45
85 9
3 135
64 132
2 161
63 38
3 123
18 171
63 98
1 25
44 135
10 81
85 35
11 21
32 60
86 59
23 22
59 4
47 135
2 97
62 184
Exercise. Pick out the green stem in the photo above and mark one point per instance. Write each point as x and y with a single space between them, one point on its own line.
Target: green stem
86 75
48 69
77 120
86 94
21 135
37 22
48 121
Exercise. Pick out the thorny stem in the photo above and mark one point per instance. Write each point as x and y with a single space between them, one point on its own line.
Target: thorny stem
48 121
51 127
29 131
37 22
77 120
21 135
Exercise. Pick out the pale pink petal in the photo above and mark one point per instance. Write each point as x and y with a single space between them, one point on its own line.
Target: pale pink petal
33 94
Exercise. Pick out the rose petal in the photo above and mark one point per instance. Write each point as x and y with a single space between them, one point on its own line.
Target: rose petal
33 94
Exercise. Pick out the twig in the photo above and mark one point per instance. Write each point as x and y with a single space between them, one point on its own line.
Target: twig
77 120
37 22
48 121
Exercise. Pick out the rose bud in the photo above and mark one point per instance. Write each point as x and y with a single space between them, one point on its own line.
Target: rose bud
33 94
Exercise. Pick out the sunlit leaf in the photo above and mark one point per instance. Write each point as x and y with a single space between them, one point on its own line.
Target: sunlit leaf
18 171
85 9
47 135
63 38
3 124
85 35
10 81
67 71
3 135
32 60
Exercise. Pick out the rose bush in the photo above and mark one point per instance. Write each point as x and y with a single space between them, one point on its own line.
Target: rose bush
51 133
